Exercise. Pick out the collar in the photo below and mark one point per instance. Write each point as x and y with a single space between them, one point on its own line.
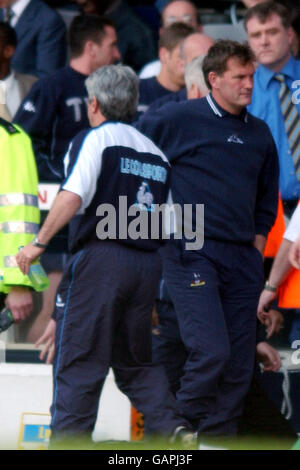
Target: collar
19 7
265 75
220 112
7 80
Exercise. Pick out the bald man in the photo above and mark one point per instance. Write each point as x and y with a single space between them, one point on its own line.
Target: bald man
195 45
180 11
176 11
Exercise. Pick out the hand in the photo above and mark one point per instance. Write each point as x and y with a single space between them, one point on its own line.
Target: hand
268 357
48 339
264 302
26 255
20 303
274 323
294 254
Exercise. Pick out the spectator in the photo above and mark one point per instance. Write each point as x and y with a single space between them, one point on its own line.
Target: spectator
53 113
41 36
215 287
270 37
104 318
55 109
176 11
195 45
19 215
16 85
281 267
171 75
135 39
194 79
294 255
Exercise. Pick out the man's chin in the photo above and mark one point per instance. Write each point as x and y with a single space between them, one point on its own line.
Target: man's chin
245 101
266 58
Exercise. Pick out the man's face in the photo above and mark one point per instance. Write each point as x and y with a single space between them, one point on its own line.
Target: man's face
106 52
270 41
175 66
233 89
182 12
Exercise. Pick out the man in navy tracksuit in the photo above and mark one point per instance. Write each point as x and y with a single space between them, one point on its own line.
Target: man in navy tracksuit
226 159
104 303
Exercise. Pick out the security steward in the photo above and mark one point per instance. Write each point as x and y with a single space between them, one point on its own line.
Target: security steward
19 216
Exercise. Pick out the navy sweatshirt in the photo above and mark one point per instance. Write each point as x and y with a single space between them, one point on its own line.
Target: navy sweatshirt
149 91
228 163
52 113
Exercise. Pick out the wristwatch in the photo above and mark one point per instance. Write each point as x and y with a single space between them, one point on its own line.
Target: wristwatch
35 242
269 287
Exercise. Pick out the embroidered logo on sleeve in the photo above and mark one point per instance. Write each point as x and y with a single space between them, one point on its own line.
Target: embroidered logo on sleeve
29 107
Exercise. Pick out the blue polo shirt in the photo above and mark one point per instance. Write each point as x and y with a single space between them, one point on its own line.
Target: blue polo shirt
228 163
265 104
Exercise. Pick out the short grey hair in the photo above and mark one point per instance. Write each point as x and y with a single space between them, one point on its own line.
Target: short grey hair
194 74
116 88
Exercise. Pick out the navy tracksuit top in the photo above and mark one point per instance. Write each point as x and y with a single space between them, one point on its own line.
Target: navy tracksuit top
228 163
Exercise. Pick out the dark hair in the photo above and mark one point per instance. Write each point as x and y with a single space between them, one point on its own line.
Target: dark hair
174 34
8 34
86 28
263 11
218 55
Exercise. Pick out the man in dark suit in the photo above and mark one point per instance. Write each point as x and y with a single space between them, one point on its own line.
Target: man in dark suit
41 36
15 85
135 39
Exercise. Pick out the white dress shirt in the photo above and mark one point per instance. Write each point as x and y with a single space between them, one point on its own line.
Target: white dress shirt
12 92
293 230
17 9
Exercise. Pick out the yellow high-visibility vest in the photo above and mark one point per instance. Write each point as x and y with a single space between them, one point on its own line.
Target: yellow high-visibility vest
19 212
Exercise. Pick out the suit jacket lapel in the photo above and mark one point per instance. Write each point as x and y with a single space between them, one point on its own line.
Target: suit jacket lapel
26 20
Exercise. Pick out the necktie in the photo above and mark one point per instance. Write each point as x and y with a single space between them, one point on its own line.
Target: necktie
291 122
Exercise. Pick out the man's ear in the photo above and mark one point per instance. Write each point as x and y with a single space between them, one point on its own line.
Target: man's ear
291 35
88 47
163 54
213 79
94 105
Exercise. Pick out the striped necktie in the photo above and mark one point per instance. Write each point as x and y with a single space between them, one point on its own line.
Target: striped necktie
291 121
